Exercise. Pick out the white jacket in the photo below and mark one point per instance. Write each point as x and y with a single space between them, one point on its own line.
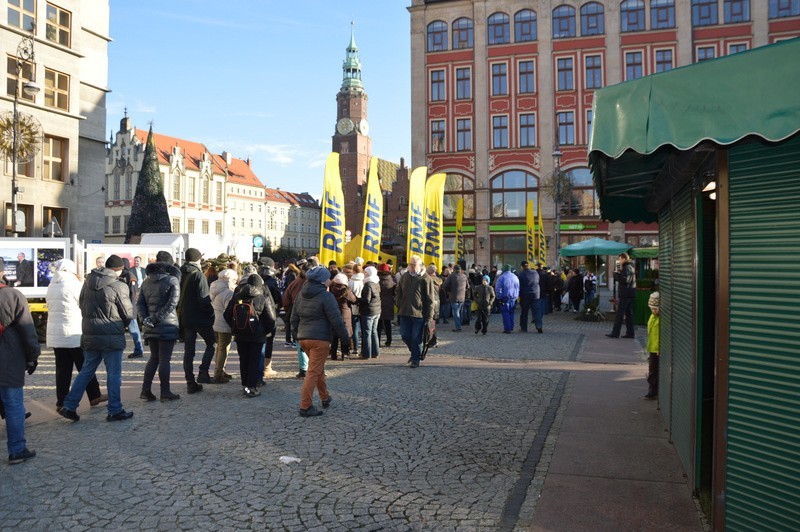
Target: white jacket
63 312
221 293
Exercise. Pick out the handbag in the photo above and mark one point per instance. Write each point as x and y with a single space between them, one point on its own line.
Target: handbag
565 298
474 306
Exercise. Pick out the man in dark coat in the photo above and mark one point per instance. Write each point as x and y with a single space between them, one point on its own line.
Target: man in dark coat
266 270
106 308
19 350
24 271
196 318
529 293
627 293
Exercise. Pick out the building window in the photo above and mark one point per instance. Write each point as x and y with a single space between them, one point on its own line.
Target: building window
437 85
527 77
48 213
592 21
12 81
457 186
631 14
525 26
22 14
736 48
662 14
736 11
527 130
190 189
704 12
56 90
463 84
115 225
437 136
59 22
218 228
563 22
176 186
594 71
117 184
206 190
663 60
565 74
508 249
190 225
464 134
583 200
106 187
176 225
437 36
589 117
498 30
784 8
633 65
129 183
218 195
511 192
462 33
566 127
704 53
54 155
499 79
500 131
204 227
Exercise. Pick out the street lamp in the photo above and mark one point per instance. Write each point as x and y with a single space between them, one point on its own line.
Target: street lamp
558 199
24 55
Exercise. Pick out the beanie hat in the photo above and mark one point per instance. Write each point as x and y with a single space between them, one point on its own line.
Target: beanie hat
266 261
655 300
114 262
506 267
318 274
66 265
369 271
164 256
255 280
193 255
384 268
340 278
487 279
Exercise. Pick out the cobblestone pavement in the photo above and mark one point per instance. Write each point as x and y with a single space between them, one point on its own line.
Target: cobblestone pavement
462 443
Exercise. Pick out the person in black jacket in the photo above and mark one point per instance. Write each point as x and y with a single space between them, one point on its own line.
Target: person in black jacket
369 306
575 289
157 304
196 317
251 315
627 293
272 290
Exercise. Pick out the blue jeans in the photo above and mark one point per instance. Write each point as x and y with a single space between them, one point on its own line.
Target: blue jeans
369 335
302 358
445 311
457 313
91 361
133 328
355 321
466 311
507 310
15 418
589 297
528 303
411 333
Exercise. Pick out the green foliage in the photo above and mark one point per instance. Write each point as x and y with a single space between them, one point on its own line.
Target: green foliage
149 210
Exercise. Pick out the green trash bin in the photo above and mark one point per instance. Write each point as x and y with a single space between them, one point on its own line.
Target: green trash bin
641 311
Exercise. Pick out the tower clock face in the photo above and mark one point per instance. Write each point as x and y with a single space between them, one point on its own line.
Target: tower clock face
363 127
344 126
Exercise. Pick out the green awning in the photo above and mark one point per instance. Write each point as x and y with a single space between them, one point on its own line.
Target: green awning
641 126
594 246
648 252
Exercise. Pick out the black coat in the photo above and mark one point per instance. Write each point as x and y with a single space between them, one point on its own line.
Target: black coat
369 304
387 285
158 299
264 310
106 307
18 343
194 306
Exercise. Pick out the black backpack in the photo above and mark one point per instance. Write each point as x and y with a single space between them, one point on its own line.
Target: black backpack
245 319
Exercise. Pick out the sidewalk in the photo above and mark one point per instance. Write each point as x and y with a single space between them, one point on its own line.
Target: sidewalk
613 467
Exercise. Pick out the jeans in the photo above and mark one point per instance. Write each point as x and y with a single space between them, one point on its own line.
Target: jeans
528 303
385 327
356 323
15 418
249 355
411 333
507 310
302 358
190 342
315 378
223 348
113 362
136 334
369 336
624 310
589 297
445 311
160 357
539 311
457 305
66 358
466 312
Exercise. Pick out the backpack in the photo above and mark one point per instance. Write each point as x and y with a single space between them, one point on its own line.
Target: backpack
244 317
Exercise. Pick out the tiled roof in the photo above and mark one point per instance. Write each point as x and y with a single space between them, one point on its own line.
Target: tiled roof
240 172
281 196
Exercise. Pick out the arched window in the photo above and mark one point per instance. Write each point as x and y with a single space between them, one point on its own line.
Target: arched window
662 14
129 183
117 183
631 15
437 36
525 26
176 186
563 22
499 31
459 186
592 21
583 200
511 191
206 189
463 34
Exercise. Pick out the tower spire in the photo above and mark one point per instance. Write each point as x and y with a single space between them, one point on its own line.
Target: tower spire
351 66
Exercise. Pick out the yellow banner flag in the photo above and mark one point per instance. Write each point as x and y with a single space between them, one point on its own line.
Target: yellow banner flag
415 242
434 220
331 234
373 216
530 233
542 239
460 248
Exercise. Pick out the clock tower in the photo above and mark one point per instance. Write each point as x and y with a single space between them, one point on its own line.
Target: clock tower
350 138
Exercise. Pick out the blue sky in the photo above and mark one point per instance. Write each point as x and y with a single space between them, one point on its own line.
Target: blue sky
259 78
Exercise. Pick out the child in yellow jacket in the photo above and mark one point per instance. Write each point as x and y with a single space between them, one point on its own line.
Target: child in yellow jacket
652 345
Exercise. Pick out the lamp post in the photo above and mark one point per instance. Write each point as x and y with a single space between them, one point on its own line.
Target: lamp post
24 55
557 199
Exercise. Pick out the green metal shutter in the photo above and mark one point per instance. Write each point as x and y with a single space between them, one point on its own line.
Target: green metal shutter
763 431
665 337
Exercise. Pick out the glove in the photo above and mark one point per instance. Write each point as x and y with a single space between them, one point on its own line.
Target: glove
32 366
148 322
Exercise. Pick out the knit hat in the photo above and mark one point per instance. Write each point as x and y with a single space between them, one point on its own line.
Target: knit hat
114 262
384 268
340 278
506 267
255 280
66 265
318 274
266 261
487 279
228 275
164 256
193 255
654 301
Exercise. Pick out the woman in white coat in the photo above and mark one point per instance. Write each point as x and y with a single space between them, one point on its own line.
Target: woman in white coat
221 292
64 331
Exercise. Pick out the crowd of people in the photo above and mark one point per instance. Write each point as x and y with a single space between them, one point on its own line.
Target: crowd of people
334 311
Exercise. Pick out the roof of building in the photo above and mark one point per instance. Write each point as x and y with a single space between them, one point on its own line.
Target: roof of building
302 199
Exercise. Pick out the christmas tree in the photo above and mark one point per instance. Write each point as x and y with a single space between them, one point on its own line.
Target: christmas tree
149 210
